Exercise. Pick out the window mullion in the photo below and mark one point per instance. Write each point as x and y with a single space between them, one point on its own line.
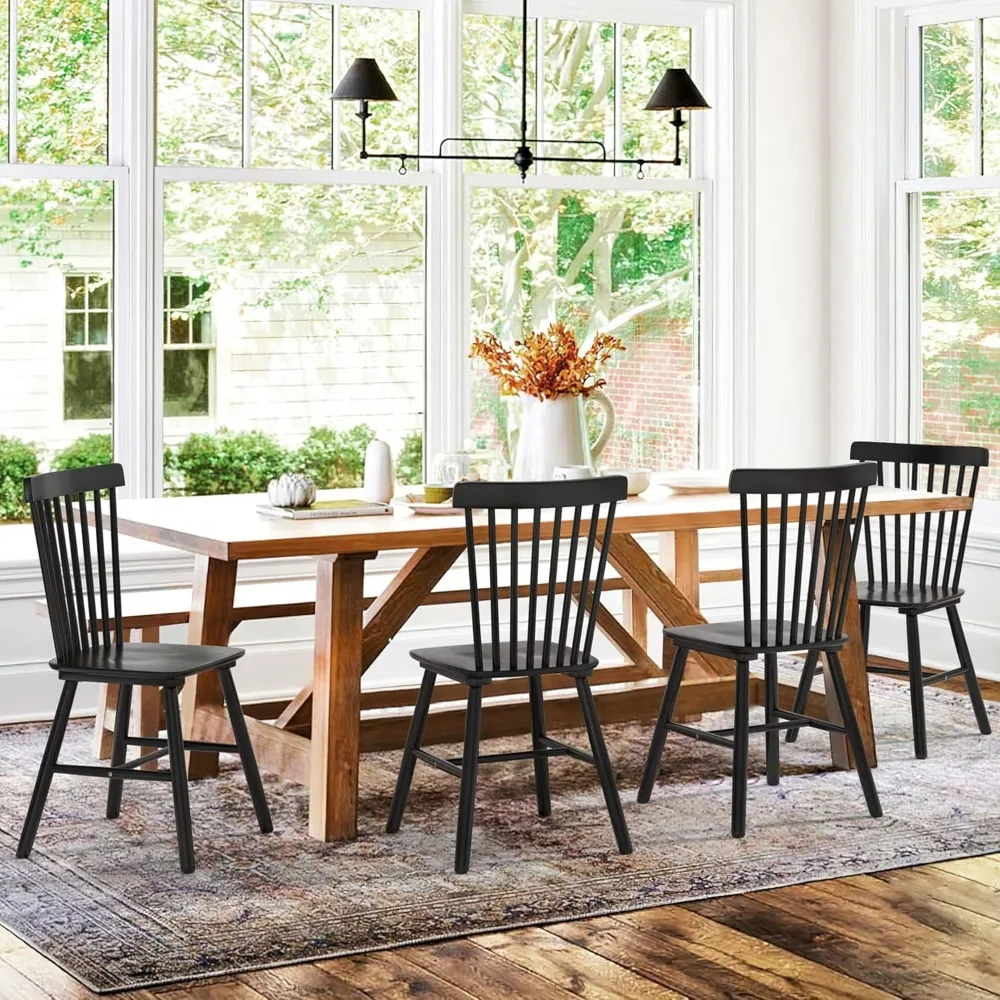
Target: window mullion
977 94
134 347
539 81
337 71
247 85
619 78
12 81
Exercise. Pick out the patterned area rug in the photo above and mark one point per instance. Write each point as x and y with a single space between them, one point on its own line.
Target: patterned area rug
106 901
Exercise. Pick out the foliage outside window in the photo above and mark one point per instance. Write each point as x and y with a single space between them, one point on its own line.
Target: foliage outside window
581 74
955 238
624 261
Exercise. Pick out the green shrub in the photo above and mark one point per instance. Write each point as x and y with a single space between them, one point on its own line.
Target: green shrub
227 462
333 458
410 461
17 461
94 449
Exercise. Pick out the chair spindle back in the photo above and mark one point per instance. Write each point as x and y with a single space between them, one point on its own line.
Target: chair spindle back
74 572
932 554
554 635
812 588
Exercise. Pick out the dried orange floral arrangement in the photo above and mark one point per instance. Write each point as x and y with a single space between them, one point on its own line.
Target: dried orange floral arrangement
548 364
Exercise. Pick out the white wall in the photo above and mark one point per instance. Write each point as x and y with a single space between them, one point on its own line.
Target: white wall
790 150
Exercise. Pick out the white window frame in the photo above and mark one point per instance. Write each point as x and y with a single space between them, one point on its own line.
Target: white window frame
720 174
902 61
148 447
722 328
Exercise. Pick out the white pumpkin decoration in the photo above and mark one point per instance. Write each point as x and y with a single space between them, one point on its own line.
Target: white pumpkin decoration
291 490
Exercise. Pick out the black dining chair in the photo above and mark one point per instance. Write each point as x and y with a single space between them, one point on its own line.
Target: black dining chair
75 577
556 639
810 604
919 566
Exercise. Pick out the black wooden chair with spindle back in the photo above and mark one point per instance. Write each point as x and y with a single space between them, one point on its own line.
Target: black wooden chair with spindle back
809 610
556 640
75 577
925 569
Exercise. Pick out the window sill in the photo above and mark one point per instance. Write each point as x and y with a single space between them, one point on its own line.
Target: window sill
19 557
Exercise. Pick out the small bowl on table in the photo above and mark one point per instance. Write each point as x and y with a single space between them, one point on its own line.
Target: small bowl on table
438 494
639 480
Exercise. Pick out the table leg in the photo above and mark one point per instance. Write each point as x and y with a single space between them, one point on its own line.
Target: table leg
147 707
635 617
679 559
663 596
107 696
336 701
852 661
210 625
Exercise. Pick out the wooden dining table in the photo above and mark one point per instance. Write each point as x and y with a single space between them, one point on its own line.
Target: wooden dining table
317 737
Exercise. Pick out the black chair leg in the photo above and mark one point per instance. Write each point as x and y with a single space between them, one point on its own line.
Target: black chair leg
854 736
604 769
247 756
49 759
409 761
741 741
965 659
123 717
664 718
773 739
802 694
537 734
916 686
178 779
866 628
470 767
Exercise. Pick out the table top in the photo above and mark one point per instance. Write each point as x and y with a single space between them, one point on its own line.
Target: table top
230 528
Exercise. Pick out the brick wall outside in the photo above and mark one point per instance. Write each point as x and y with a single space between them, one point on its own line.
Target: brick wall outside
966 373
654 388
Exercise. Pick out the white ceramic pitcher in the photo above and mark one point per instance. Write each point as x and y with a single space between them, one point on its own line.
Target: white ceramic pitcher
554 432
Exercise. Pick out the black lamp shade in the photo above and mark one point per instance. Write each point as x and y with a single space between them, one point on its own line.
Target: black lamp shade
675 90
364 81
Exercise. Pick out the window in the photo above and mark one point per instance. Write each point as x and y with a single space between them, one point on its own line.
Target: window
294 307
291 54
624 257
187 347
953 197
87 359
236 290
58 223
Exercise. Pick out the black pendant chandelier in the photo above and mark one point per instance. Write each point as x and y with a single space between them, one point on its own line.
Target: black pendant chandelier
364 82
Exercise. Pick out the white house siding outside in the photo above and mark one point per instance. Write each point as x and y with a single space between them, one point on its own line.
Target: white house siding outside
280 368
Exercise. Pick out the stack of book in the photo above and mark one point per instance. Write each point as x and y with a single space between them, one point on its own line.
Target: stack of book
327 508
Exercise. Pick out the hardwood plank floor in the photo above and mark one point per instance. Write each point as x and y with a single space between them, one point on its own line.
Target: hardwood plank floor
929 933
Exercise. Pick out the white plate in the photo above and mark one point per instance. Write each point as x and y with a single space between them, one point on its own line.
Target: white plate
416 503
695 481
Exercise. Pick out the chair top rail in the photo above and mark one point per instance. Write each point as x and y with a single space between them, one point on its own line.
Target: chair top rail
921 454
803 481
70 482
541 495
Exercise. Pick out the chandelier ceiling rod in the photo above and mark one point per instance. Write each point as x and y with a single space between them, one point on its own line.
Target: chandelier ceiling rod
364 82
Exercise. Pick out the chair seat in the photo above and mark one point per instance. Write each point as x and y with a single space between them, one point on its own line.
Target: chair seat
728 637
459 662
915 597
156 663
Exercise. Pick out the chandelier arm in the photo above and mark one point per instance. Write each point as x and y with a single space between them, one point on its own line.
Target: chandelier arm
440 156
